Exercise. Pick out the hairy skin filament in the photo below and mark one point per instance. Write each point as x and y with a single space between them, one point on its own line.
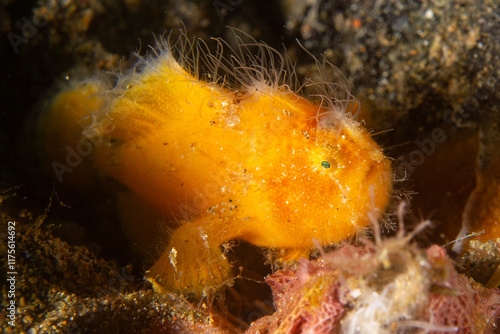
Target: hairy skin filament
240 156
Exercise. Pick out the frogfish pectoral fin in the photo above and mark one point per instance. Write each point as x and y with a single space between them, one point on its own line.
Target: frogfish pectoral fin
193 263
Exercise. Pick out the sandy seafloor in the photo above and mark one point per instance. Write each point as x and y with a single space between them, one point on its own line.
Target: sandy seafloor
415 65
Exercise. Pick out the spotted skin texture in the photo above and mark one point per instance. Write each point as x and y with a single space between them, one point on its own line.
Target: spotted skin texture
259 164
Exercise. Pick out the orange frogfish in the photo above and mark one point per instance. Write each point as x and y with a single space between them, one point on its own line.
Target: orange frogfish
233 154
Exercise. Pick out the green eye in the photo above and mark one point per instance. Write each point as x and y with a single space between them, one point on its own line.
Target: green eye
325 164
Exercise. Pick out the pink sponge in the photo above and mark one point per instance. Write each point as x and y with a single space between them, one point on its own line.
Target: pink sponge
474 307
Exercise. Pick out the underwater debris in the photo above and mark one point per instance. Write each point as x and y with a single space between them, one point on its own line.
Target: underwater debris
239 155
391 286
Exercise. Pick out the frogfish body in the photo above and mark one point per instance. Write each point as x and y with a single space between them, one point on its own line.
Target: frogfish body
257 163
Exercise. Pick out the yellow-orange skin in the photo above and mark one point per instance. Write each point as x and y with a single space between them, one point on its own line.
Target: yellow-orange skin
247 165
484 201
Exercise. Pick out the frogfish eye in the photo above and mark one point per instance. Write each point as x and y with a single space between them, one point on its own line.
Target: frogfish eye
325 164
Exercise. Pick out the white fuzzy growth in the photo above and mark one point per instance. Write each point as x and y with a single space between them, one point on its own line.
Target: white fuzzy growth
249 68
375 312
394 290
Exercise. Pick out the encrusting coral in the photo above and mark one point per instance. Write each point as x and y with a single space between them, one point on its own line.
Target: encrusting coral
240 155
